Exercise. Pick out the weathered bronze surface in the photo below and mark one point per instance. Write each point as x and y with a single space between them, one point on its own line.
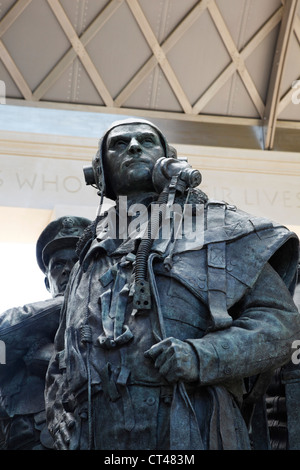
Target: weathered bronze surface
168 343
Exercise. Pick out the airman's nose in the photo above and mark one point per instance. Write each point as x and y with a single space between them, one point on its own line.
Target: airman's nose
67 268
134 146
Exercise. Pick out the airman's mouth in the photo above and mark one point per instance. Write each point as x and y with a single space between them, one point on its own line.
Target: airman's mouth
135 161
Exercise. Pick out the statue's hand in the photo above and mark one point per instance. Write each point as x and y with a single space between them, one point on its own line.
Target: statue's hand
175 360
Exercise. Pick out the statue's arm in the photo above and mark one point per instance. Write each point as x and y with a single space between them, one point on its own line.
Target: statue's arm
22 328
260 337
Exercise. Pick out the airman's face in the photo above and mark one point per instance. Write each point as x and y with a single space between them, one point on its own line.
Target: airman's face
59 269
131 153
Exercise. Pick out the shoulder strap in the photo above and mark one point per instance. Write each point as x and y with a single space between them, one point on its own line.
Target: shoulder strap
216 270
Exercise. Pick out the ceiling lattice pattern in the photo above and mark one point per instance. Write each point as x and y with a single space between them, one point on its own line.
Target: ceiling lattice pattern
222 60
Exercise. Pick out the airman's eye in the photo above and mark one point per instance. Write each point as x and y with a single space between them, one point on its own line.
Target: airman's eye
57 265
148 142
120 144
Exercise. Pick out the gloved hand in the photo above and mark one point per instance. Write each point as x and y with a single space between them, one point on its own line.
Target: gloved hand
175 360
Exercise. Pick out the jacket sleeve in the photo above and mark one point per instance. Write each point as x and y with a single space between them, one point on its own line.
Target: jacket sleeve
21 328
266 323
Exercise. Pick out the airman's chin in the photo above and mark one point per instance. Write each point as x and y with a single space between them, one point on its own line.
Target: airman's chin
140 178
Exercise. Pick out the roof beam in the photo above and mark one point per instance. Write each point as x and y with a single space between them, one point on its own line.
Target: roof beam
166 46
231 68
273 97
6 58
12 15
80 51
71 55
15 72
235 56
159 55
140 112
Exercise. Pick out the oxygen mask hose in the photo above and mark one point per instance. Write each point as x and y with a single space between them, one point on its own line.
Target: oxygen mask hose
169 174
142 294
